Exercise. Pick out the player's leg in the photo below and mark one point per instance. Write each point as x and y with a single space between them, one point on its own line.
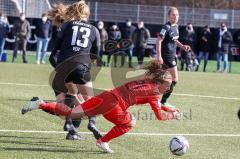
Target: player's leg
123 121
103 103
86 91
85 88
92 127
82 78
72 125
100 104
54 108
174 74
71 99
60 98
33 104
76 123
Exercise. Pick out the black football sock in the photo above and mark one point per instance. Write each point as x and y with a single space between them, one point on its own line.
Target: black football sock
92 127
168 94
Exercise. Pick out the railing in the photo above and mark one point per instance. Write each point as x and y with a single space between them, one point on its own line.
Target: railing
113 12
158 14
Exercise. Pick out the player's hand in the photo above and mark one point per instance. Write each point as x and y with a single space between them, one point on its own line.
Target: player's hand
159 60
175 110
186 48
177 115
169 109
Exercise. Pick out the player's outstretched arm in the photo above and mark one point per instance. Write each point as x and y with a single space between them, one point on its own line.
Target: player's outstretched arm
162 112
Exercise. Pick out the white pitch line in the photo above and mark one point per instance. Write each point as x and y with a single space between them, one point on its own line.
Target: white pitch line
133 134
176 94
24 84
204 96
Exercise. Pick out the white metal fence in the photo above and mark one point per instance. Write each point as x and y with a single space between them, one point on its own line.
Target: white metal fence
113 12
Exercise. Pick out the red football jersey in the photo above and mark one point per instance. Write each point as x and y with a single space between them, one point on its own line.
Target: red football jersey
139 92
132 93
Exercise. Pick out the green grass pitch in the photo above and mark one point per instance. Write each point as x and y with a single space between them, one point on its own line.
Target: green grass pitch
210 102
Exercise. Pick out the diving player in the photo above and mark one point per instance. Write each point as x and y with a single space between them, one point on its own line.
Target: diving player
113 104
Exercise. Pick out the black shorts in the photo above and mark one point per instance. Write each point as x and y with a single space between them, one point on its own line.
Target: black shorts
170 62
81 75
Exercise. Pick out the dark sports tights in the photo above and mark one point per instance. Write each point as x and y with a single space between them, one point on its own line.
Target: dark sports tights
168 94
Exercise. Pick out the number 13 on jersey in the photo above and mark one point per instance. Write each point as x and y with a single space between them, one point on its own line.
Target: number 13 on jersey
82 40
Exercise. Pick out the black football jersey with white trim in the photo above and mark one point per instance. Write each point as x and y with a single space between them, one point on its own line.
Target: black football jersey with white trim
169 34
77 37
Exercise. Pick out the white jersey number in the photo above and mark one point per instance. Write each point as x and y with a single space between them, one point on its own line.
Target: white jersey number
84 39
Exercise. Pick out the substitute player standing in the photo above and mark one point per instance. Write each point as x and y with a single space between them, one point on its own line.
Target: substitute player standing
166 47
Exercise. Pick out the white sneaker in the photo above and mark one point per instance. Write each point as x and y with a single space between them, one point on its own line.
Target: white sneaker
38 62
33 104
104 146
177 115
43 62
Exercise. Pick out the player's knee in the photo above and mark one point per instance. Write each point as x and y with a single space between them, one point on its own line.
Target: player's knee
60 97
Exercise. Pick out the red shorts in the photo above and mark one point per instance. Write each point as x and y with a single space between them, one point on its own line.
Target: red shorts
100 104
108 105
118 116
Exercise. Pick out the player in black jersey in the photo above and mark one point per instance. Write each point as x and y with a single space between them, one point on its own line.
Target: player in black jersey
166 46
75 38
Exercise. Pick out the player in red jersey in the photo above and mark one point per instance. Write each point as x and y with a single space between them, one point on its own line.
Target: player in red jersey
113 104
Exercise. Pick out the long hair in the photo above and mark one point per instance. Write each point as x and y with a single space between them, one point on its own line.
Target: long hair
56 14
158 72
77 11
